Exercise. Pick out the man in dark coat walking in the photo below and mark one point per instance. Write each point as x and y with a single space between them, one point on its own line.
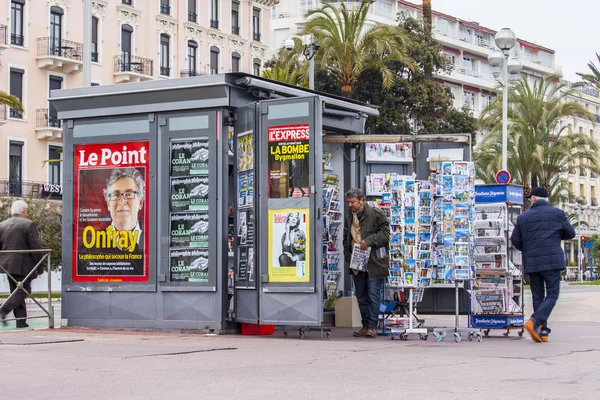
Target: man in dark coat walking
19 233
538 234
368 227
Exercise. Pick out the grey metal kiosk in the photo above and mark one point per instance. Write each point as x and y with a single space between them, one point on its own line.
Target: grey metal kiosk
175 188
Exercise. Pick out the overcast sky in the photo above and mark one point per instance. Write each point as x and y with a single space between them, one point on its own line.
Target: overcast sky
570 28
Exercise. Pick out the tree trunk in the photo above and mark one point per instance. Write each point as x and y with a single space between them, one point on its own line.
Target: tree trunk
346 90
427 24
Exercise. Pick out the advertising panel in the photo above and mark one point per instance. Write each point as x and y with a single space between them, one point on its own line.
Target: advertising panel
289 245
389 153
110 241
288 161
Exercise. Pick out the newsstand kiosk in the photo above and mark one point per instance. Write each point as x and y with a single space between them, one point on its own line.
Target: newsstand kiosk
175 189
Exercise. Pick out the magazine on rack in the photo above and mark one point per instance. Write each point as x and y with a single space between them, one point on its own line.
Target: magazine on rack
360 258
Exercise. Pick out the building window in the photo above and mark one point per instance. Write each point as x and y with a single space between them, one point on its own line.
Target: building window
256 67
126 33
235 17
486 100
165 8
214 14
15 168
469 98
16 22
191 61
52 120
192 15
56 47
214 60
16 88
256 24
54 157
235 62
94 39
128 2
165 69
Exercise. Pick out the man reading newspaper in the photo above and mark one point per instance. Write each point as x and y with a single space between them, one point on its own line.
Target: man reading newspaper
367 229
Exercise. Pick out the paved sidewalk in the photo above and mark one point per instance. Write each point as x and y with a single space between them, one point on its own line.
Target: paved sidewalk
82 363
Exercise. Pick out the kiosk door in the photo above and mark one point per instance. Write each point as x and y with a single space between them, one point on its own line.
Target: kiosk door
289 227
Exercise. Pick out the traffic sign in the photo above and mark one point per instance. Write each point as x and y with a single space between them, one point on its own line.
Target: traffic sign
503 177
589 245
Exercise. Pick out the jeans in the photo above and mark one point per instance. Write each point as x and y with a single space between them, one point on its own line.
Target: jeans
545 286
16 303
368 294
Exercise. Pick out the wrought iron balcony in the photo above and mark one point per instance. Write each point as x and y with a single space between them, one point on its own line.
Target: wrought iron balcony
214 23
256 36
47 124
129 68
53 53
30 189
235 30
165 71
186 73
2 114
192 16
165 9
3 38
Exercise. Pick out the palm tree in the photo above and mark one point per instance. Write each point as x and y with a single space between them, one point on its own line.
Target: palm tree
592 78
11 101
540 144
347 49
287 74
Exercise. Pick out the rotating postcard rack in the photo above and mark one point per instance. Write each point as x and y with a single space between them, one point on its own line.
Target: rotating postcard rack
408 207
454 216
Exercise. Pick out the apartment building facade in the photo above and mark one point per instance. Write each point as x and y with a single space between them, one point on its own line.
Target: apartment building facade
469 77
41 49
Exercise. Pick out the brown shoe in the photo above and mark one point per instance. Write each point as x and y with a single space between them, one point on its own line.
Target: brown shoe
533 331
360 333
371 333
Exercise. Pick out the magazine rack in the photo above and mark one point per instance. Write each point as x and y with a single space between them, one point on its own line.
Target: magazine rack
498 287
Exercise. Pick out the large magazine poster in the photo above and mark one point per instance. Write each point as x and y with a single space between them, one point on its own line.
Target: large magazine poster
289 245
189 230
189 193
110 243
288 161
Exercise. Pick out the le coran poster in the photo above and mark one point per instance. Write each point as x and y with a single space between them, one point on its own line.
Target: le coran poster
289 245
111 212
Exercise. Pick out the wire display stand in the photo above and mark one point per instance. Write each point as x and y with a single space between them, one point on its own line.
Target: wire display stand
415 295
440 334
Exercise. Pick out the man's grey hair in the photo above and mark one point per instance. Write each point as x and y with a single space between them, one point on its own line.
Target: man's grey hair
18 207
121 173
356 193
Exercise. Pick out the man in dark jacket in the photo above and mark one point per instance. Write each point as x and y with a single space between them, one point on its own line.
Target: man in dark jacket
19 233
369 227
538 233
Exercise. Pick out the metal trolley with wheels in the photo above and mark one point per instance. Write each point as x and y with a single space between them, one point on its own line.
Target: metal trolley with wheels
415 296
440 334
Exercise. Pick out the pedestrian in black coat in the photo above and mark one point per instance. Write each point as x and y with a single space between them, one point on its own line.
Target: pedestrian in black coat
538 234
19 233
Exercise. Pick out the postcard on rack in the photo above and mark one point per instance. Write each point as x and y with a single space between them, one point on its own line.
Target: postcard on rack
360 258
409 278
447 168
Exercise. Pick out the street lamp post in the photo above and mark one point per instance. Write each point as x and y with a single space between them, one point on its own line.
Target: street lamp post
505 40
578 209
310 48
